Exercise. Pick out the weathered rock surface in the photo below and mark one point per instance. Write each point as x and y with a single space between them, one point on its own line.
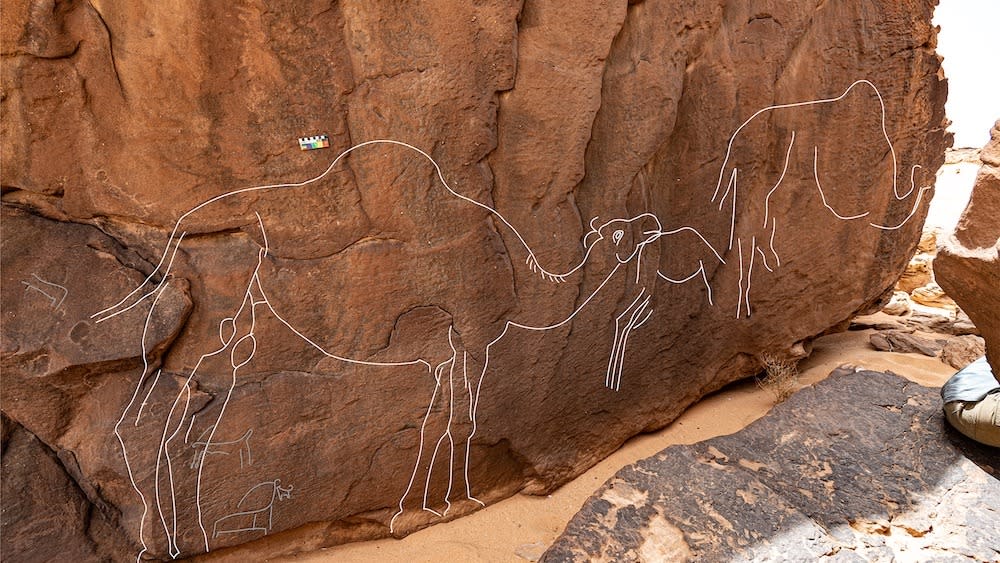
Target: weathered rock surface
43 508
64 377
931 295
968 264
954 339
898 305
859 467
551 113
958 325
961 351
904 342
920 270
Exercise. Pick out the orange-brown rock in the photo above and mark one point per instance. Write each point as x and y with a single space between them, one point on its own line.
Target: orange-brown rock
269 377
961 351
928 242
931 295
899 303
920 271
968 263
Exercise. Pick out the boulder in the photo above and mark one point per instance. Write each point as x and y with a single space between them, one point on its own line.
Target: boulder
961 351
903 342
898 305
603 212
968 265
918 273
931 295
928 241
65 376
46 517
860 467
920 270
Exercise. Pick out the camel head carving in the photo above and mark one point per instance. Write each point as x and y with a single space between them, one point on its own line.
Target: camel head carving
629 236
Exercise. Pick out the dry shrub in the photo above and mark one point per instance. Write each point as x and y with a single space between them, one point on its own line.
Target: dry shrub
780 376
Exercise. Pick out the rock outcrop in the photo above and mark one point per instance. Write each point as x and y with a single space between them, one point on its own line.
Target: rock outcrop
860 467
920 271
968 263
362 339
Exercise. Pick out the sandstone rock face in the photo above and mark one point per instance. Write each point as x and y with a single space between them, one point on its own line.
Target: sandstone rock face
44 508
932 295
961 351
968 264
898 305
860 467
630 199
920 271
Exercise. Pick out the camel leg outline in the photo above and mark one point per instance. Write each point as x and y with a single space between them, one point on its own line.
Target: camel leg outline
255 296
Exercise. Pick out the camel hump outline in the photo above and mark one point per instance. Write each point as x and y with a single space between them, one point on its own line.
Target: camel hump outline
626 237
134 297
755 245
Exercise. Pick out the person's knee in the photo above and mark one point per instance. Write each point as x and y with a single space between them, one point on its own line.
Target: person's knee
978 420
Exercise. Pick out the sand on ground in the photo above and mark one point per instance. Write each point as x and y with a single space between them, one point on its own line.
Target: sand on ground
520 528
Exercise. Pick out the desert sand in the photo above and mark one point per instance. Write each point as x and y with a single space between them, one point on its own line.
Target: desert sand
522 527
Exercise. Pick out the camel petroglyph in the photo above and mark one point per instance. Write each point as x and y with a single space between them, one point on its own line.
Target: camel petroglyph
458 377
754 239
240 446
257 519
56 301
614 249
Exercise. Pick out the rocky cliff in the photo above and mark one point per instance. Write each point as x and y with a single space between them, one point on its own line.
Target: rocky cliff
969 263
602 211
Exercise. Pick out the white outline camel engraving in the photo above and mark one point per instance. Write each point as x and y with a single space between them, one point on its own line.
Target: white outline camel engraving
632 235
267 509
628 237
749 250
239 446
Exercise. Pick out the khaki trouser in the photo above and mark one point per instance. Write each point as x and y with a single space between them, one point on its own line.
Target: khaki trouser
979 420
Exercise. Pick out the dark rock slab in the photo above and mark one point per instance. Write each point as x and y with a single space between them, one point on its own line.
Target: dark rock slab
859 467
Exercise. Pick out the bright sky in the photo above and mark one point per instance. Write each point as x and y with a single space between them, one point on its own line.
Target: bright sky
967 42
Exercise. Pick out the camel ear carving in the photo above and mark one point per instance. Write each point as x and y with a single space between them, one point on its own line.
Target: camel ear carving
646 225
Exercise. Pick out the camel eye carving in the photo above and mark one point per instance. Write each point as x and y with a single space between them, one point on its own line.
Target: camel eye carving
617 236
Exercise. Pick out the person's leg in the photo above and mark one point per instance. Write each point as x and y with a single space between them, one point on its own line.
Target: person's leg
977 420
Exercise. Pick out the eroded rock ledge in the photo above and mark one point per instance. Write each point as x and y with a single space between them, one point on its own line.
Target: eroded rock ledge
860 467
